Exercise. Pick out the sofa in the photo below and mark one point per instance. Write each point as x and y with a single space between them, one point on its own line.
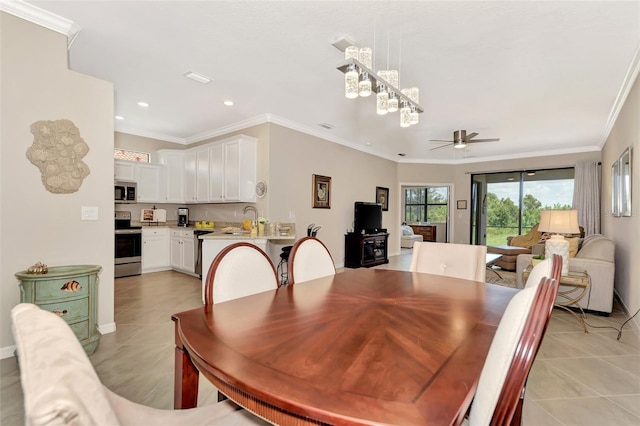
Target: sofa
408 237
595 257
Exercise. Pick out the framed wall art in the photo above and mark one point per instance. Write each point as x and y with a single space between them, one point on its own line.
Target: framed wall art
382 197
321 191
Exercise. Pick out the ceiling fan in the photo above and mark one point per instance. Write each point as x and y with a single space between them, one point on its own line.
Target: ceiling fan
461 139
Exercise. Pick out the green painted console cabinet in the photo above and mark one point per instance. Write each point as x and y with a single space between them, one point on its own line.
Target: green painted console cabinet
70 292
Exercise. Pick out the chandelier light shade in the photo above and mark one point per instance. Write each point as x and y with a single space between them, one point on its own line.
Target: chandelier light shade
405 114
366 57
392 103
559 222
351 82
364 87
362 80
351 52
382 100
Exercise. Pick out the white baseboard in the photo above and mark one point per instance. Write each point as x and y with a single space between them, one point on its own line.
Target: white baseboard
7 351
107 328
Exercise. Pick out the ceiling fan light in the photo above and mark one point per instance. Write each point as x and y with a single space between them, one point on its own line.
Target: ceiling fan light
351 82
459 145
364 87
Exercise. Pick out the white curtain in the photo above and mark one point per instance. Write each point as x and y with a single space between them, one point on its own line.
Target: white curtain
586 196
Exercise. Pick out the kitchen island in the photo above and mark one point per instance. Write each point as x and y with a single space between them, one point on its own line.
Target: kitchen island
215 242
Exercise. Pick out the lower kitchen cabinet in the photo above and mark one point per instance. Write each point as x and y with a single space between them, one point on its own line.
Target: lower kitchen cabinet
70 292
155 249
183 250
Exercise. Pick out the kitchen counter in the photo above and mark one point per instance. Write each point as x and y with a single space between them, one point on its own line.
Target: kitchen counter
219 235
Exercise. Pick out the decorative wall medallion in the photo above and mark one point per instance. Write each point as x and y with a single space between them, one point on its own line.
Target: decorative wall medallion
57 150
261 189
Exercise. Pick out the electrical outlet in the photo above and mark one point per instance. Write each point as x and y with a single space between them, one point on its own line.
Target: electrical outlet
89 213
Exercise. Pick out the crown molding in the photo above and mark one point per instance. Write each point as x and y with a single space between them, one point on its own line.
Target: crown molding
41 17
151 135
632 73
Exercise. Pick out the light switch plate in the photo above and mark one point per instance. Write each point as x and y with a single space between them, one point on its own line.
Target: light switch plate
89 213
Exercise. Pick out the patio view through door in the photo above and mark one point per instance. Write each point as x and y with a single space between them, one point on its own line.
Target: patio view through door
428 204
509 203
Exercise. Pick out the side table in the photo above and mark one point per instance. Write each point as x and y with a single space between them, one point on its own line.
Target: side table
576 285
69 292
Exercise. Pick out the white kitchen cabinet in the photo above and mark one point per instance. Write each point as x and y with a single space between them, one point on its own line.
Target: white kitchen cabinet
174 167
232 170
155 249
124 170
190 176
202 175
150 178
183 250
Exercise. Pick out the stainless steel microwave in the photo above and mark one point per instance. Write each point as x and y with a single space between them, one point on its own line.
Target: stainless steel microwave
125 192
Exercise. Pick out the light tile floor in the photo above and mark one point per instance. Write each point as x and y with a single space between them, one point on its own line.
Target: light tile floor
577 379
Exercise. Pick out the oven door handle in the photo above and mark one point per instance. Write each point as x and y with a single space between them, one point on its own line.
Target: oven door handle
128 231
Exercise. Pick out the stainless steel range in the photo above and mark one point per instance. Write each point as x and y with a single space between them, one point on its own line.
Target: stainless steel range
128 247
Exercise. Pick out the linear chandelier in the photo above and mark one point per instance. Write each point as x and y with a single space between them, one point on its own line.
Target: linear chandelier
361 80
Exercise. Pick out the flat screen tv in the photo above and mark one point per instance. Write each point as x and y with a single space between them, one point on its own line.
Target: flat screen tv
367 218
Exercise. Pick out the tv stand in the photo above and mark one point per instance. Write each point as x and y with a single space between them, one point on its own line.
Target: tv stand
365 250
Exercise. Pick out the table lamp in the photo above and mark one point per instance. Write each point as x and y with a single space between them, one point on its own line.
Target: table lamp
559 222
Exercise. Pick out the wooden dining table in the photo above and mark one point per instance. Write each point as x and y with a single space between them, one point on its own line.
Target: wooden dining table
364 346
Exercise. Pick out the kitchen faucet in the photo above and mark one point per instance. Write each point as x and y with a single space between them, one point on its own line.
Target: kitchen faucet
255 213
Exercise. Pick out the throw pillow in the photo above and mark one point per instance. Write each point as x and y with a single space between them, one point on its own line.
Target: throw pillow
573 246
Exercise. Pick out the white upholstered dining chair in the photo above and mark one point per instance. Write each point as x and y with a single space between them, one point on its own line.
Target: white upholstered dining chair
239 270
500 392
550 267
61 387
309 259
464 261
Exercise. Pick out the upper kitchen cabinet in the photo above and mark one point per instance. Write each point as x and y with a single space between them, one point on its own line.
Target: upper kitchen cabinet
150 179
151 182
174 167
232 170
196 173
124 170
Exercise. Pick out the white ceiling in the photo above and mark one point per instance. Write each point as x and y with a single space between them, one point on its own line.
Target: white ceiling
545 77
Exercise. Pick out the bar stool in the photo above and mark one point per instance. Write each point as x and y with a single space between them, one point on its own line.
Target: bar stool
283 265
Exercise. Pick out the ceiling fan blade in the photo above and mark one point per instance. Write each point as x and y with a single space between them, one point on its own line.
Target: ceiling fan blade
472 135
484 140
440 140
441 146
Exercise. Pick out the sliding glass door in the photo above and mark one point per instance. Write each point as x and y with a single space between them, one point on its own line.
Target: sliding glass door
509 203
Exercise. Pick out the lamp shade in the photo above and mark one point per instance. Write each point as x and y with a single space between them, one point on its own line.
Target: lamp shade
559 221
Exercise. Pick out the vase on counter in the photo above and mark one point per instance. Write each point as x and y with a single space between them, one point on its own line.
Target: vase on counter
261 229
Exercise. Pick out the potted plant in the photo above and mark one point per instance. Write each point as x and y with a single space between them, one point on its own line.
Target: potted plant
537 259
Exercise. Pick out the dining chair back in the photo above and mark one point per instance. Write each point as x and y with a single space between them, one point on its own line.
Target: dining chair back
453 260
309 259
239 270
512 352
550 267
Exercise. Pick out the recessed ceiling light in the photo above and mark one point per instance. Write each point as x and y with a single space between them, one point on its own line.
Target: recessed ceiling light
228 103
119 117
143 104
197 77
401 154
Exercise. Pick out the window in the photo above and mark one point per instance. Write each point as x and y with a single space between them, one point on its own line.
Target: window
123 154
426 204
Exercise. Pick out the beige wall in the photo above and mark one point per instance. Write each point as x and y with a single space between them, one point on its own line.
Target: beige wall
37 225
625 231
